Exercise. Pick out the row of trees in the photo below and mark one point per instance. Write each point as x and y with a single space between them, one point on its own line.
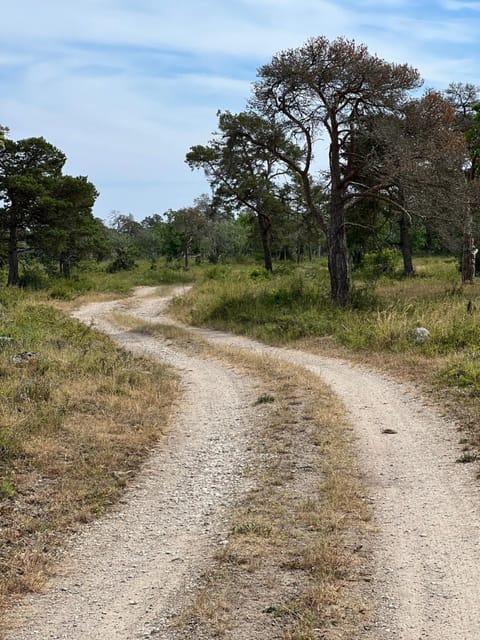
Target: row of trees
205 232
391 154
46 217
395 159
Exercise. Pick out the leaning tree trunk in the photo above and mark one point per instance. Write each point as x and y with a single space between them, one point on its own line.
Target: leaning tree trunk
13 277
405 246
469 251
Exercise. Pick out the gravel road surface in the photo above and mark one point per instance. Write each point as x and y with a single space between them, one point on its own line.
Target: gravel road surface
150 551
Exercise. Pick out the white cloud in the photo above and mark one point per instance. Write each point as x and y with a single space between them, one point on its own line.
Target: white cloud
125 87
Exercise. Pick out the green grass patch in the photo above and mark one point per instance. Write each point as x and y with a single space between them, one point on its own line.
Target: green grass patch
94 277
464 373
7 488
293 303
248 300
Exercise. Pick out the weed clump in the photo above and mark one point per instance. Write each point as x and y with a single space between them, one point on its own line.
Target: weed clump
265 398
464 373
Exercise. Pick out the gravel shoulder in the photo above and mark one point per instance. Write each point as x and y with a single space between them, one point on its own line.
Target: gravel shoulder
426 551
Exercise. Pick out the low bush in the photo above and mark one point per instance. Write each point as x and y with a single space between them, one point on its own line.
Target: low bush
33 277
123 261
380 263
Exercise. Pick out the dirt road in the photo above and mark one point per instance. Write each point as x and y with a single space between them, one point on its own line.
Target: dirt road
427 550
147 554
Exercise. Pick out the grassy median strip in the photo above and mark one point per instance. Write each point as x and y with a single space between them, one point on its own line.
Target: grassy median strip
77 417
294 563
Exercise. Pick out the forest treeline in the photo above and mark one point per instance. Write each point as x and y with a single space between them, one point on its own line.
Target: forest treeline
402 172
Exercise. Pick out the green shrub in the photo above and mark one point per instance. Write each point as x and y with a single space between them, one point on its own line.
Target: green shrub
62 292
260 274
381 263
363 298
123 261
33 277
216 272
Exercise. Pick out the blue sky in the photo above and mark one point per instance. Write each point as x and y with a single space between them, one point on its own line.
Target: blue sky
125 87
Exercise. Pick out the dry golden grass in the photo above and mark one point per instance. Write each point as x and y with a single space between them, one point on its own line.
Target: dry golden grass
67 306
77 419
292 548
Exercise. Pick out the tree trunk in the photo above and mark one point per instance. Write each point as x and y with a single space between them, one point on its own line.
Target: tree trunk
265 229
469 252
338 263
338 266
12 257
64 266
185 257
405 246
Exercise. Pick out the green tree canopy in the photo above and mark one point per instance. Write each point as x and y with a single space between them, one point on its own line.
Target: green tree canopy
66 230
326 89
43 210
242 172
